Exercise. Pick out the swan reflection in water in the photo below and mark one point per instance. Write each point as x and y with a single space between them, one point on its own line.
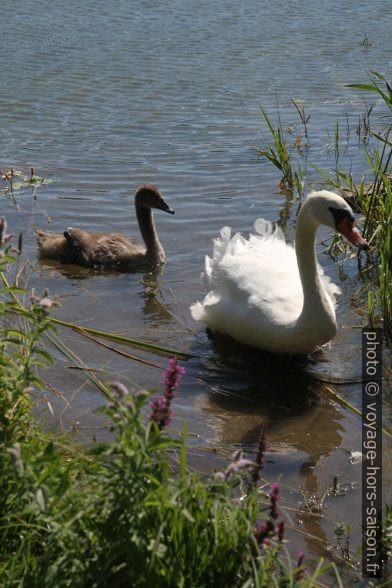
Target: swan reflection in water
150 292
247 390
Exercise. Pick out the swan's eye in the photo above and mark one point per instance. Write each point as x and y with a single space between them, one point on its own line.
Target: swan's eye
340 215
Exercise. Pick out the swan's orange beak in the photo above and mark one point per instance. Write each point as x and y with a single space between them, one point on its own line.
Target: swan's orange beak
347 228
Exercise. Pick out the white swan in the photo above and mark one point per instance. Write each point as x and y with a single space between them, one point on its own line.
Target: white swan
266 294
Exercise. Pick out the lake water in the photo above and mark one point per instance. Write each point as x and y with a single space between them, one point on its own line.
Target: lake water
102 96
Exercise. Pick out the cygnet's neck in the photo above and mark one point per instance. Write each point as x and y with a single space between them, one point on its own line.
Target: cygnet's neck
317 306
149 234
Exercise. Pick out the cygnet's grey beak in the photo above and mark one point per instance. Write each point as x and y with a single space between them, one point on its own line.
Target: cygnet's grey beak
166 208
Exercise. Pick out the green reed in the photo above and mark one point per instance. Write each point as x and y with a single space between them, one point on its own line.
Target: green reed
280 153
376 205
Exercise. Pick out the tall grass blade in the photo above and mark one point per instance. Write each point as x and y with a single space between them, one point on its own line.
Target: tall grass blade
123 353
69 354
120 339
348 404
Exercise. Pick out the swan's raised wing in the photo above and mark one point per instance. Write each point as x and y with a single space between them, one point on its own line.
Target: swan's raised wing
251 280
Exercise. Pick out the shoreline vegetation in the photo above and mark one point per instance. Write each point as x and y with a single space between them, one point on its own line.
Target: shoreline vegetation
370 196
131 512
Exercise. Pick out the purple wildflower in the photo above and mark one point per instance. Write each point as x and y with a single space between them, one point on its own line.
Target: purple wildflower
269 529
266 541
261 530
161 411
260 457
171 378
274 497
300 559
119 389
280 529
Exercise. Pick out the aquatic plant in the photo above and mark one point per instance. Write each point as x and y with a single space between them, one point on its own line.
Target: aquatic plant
304 119
342 533
376 204
8 174
280 153
34 178
22 180
365 41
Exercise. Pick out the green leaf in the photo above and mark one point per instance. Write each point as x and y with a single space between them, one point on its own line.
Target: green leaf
38 382
16 290
377 74
13 341
63 485
365 87
187 515
383 139
120 339
16 333
46 355
41 499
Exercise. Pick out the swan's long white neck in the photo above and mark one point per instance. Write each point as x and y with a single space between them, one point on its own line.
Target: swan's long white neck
318 308
148 231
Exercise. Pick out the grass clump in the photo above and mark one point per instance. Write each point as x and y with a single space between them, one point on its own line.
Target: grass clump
373 199
280 154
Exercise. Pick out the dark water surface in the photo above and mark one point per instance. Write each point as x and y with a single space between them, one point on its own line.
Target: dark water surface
101 96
